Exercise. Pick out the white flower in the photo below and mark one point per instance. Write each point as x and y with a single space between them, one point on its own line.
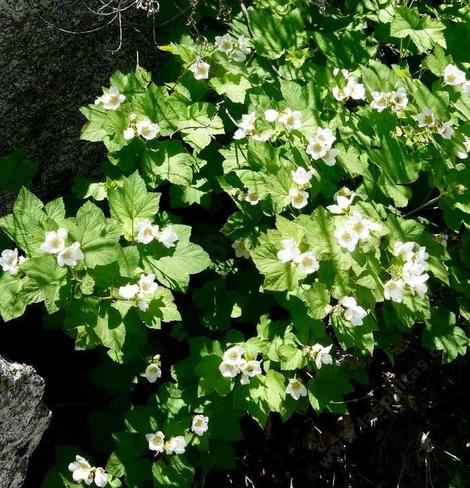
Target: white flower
398 100
156 441
342 205
248 121
234 356
289 252
330 157
70 256
414 277
147 129
10 261
54 241
147 285
111 100
343 71
346 237
262 136
466 88
298 198
228 370
80 469
316 148
244 44
224 43
271 115
249 369
425 118
101 477
296 389
291 119
326 137
200 69
168 237
341 94
357 90
380 101
359 225
445 130
301 176
252 197
153 372
176 445
199 424
453 76
321 354
146 231
240 249
403 249
129 133
393 290
308 263
128 291
464 154
353 312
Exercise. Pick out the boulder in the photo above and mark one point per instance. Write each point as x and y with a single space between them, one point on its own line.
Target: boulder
23 420
48 73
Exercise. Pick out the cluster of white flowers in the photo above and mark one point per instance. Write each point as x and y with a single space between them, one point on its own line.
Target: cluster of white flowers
10 261
236 49
454 76
296 389
82 471
234 362
142 292
200 69
290 253
356 228
157 443
54 243
412 274
111 100
239 246
301 178
426 119
464 154
352 89
147 232
200 424
320 146
318 353
394 100
344 199
352 312
246 128
144 128
153 370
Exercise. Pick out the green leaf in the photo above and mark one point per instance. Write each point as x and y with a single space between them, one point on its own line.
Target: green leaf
168 161
177 473
424 31
97 235
45 281
28 223
442 333
11 304
132 202
173 267
326 391
317 299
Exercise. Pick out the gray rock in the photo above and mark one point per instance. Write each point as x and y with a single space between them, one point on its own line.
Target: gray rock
23 420
48 74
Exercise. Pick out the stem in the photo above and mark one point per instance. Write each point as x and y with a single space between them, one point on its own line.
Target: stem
426 204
